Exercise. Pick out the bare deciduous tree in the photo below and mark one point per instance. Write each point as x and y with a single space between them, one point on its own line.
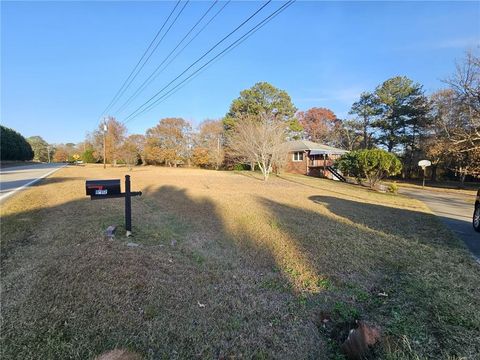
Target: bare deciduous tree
259 140
130 151
140 142
456 114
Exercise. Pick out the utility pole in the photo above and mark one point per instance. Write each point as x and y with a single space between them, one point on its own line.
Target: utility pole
104 143
48 153
218 153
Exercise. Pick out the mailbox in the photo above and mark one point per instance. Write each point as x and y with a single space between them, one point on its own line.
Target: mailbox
108 189
103 187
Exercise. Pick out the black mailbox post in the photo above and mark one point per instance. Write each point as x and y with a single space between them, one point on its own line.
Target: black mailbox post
108 189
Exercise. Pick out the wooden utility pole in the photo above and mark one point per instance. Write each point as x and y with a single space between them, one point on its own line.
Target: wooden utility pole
218 153
104 144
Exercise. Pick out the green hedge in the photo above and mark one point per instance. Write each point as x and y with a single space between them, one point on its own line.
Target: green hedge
14 146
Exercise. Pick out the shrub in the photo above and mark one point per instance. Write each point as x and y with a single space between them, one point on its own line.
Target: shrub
376 164
393 188
349 164
241 167
14 146
372 164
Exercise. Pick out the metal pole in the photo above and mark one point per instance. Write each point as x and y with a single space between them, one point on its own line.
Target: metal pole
423 184
128 206
324 165
48 153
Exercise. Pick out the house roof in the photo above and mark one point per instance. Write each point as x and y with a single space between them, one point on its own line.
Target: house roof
314 148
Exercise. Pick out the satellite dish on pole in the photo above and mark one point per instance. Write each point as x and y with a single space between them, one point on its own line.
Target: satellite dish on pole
423 164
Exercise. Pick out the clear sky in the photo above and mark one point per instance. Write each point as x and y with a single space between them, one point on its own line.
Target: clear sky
62 62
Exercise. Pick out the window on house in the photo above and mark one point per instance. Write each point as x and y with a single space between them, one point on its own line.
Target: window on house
298 156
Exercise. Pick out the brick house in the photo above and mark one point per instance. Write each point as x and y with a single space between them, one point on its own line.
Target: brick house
309 158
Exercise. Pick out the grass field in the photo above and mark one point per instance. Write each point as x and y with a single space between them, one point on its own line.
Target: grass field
230 267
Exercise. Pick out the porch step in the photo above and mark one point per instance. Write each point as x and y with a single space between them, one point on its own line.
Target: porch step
336 174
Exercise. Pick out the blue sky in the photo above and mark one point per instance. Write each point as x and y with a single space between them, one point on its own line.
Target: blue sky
62 62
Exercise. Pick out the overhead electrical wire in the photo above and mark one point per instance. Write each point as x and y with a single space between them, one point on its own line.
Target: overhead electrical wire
216 59
158 70
236 43
199 59
165 34
129 79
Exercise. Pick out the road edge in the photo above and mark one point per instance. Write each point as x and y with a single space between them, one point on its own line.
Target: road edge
7 195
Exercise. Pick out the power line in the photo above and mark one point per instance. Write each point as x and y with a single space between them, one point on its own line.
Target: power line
200 58
156 72
115 98
216 59
156 46
236 43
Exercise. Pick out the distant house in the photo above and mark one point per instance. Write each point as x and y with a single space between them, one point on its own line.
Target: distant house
309 158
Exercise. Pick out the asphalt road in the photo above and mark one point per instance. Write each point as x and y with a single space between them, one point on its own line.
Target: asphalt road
455 210
15 178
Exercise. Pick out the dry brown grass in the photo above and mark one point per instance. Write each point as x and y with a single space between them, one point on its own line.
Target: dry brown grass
228 266
469 189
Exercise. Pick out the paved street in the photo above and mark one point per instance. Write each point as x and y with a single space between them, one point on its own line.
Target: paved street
455 210
15 178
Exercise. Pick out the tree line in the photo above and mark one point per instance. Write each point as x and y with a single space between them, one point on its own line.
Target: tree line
443 127
397 116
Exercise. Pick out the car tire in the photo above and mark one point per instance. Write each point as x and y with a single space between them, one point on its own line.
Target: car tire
476 218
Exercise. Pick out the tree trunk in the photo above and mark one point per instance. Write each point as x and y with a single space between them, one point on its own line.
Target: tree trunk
433 173
463 174
365 134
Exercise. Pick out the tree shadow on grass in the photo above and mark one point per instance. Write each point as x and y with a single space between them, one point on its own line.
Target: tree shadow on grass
404 223
428 280
198 287
190 289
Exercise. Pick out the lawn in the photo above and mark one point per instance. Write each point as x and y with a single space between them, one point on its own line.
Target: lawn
230 267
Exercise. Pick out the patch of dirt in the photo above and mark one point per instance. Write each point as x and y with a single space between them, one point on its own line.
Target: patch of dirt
119 354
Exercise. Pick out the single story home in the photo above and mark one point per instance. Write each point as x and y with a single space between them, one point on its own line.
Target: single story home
310 158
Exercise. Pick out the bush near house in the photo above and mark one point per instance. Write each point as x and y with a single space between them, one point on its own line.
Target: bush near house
371 164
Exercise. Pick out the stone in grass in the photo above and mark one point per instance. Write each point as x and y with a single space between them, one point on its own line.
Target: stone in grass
132 244
110 232
360 340
119 354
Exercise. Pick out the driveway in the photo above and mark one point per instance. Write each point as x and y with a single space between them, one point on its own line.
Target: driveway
15 178
455 210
